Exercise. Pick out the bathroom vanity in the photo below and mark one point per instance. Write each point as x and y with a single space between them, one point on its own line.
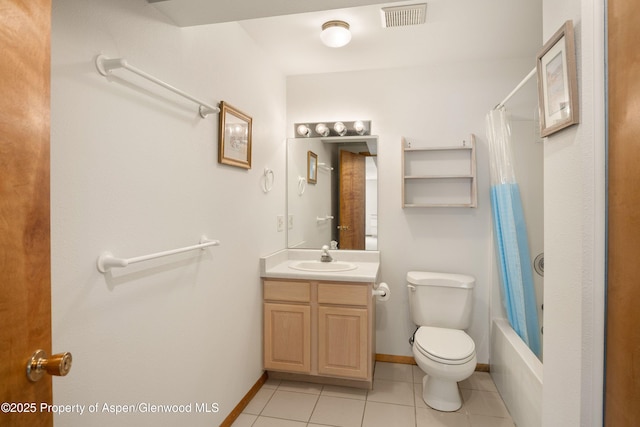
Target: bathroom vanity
319 318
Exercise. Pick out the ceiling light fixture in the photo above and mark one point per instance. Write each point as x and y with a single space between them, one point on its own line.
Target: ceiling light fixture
335 33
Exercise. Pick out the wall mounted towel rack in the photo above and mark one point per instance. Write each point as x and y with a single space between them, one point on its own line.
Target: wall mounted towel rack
302 185
268 179
106 260
105 65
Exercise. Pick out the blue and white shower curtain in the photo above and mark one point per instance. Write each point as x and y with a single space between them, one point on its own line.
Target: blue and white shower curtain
512 245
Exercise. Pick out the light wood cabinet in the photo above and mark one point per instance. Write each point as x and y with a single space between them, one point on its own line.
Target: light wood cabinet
287 346
319 331
342 341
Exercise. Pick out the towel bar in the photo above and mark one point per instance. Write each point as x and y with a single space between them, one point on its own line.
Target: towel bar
105 65
106 260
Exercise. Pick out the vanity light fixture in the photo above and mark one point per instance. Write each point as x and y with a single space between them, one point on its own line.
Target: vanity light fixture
303 130
335 33
329 129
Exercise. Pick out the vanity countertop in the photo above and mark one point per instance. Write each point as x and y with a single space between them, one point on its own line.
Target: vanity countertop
278 265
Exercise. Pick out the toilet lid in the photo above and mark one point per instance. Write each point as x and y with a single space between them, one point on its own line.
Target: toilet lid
445 345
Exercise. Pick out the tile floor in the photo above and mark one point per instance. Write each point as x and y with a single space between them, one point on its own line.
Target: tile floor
395 401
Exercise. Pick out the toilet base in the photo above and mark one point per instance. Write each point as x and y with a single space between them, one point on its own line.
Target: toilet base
442 395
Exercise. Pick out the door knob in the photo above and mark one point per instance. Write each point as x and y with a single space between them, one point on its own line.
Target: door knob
58 364
343 227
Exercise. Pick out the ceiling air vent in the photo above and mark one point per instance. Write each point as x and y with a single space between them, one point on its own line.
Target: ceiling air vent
401 16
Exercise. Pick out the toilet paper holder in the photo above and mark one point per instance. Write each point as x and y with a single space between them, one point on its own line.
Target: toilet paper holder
379 292
382 292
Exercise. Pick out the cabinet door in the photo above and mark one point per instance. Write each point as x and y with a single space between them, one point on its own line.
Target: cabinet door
342 342
287 337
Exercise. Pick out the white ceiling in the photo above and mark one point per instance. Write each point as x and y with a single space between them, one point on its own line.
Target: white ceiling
455 31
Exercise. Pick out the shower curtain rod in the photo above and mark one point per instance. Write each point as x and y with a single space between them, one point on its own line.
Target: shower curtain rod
513 92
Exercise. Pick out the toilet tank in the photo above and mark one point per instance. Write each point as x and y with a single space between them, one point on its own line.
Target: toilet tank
440 299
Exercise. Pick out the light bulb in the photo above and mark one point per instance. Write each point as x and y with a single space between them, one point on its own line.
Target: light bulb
322 129
340 128
358 126
303 130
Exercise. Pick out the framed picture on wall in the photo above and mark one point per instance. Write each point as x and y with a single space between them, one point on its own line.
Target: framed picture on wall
234 137
312 167
558 82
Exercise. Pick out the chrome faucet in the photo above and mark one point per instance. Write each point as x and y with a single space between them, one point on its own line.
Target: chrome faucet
325 257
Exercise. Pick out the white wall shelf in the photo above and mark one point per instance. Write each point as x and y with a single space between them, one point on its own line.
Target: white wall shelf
439 176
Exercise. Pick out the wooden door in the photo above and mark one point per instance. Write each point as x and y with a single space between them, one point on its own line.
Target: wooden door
342 341
25 301
287 337
622 388
352 201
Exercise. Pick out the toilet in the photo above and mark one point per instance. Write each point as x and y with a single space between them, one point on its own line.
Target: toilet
440 305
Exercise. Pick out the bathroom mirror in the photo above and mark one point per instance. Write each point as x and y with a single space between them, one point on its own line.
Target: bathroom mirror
342 205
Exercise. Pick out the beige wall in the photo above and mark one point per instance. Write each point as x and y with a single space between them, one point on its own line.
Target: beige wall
574 233
134 171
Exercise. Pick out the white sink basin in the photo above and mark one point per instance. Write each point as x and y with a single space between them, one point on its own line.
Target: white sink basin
323 266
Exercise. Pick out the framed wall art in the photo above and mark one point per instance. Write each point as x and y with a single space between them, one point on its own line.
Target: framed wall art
558 82
234 137
312 167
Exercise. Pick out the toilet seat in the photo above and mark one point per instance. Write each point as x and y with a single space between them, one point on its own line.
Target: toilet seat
448 346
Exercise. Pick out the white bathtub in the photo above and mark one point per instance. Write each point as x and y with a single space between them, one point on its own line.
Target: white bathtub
517 373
